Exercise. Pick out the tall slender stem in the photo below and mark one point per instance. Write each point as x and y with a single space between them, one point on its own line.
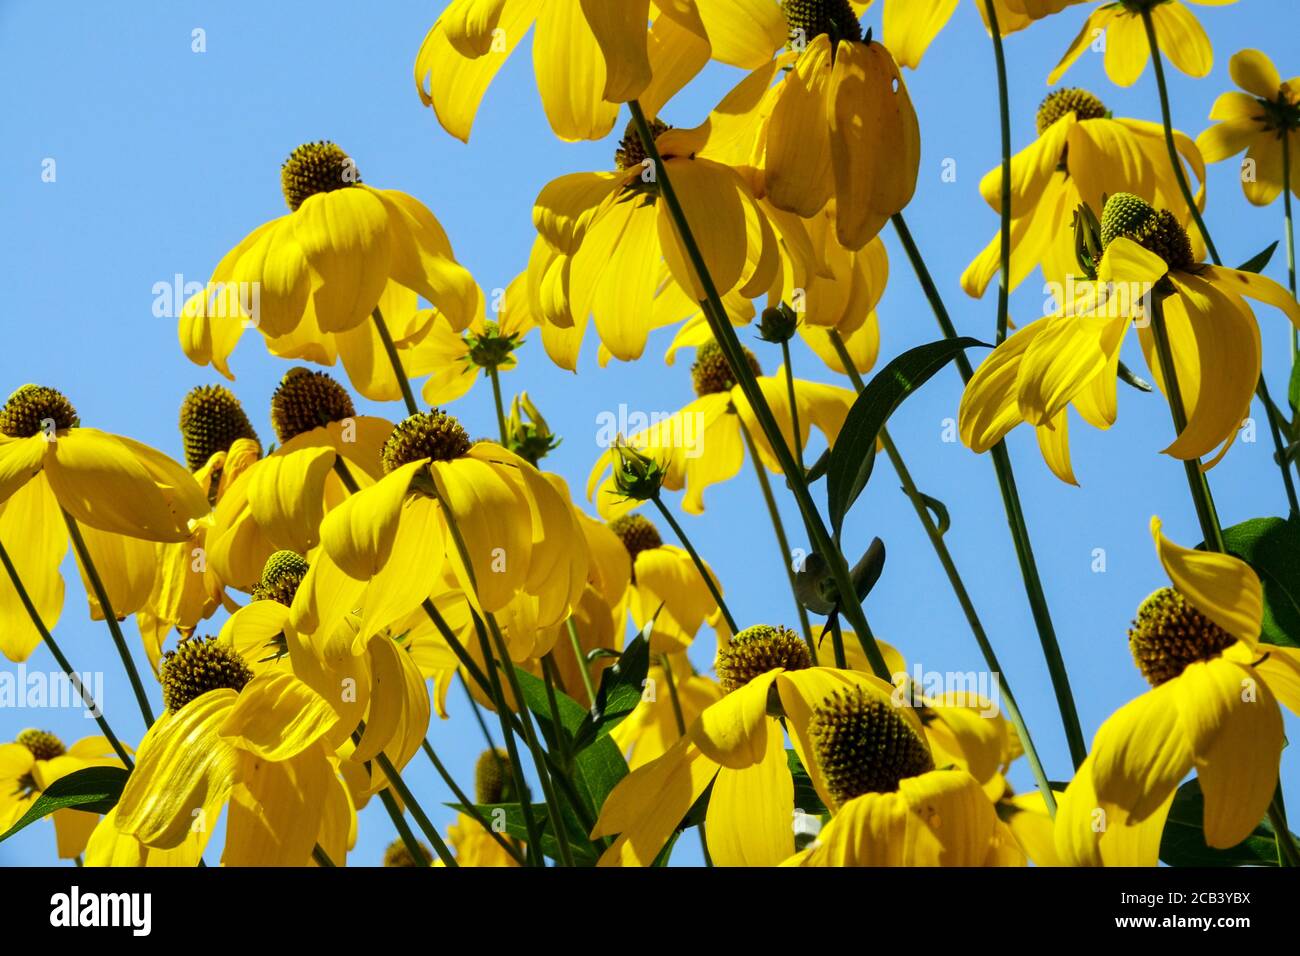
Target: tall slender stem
470 808
110 616
1196 481
797 432
1004 112
395 361
496 398
958 586
1290 233
782 541
421 818
1179 173
578 655
1015 519
715 314
837 641
86 697
699 563
403 829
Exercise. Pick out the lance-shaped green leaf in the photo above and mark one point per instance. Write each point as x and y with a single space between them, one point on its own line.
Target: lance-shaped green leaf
621 687
1259 262
93 789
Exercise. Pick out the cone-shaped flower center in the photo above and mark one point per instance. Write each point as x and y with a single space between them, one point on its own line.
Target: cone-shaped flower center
211 421
710 372
494 780
809 19
43 744
1156 231
305 400
864 745
1169 634
197 666
281 575
398 854
316 168
637 534
34 409
757 650
433 434
1081 103
631 152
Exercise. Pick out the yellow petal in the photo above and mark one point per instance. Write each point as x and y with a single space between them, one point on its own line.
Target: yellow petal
1087 35
711 196
621 31
1141 753
276 810
567 206
734 731
21 460
126 567
345 236
34 537
286 496
399 705
277 717
799 177
990 405
1254 286
571 74
751 811
1127 50
1223 588
1255 73
358 534
470 25
909 29
1183 39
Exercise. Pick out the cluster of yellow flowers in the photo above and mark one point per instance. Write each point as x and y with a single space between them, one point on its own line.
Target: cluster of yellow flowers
359 560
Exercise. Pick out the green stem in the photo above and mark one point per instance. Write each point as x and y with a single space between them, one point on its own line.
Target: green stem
478 714
699 563
581 658
553 709
110 616
86 697
395 361
1275 429
1015 519
403 829
716 315
837 641
1004 111
322 858
1290 233
797 435
1179 173
680 720
421 819
1196 481
958 586
470 807
782 542
496 398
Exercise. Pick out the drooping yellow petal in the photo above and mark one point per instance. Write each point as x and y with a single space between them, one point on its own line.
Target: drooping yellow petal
413 570
798 172
1183 39
1254 286
1222 587
358 534
126 567
990 405
909 28
1141 753
744 33
470 25
1127 51
621 31
345 236
667 576
34 537
277 717
276 809
1092 28
286 495
567 206
1255 73
749 821
733 732
711 196
571 73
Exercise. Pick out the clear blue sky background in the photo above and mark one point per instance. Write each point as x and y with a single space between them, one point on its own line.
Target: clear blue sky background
166 158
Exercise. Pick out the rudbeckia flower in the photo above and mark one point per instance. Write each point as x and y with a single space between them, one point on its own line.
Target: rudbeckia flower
1082 155
1071 358
910 26
220 444
840 125
123 495
277 503
702 444
1212 708
517 529
1179 34
33 761
589 55
1264 121
256 743
307 279
608 244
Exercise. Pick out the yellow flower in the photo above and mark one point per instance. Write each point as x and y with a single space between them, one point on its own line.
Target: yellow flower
124 495
34 761
307 279
1179 34
589 55
1082 155
517 529
277 503
1264 121
1071 358
702 444
608 248
256 743
220 444
1213 707
911 25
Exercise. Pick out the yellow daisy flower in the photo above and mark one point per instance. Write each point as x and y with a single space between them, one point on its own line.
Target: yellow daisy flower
1213 708
1264 121
322 269
35 760
702 445
123 495
1179 34
1082 155
1071 358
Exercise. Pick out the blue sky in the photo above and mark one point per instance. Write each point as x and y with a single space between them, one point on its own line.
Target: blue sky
166 158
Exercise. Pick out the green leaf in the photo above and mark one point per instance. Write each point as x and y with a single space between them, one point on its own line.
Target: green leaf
942 520
511 818
1183 841
621 687
1259 262
1272 547
93 789
854 451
